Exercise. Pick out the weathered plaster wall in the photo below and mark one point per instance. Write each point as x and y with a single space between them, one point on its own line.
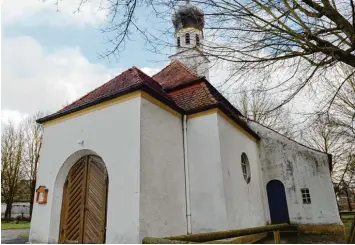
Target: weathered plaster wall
208 208
244 201
297 167
113 133
162 182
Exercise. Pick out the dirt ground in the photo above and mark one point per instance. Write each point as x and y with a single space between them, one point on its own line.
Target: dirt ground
305 239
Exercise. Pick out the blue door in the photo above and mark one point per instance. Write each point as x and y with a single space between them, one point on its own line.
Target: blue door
277 202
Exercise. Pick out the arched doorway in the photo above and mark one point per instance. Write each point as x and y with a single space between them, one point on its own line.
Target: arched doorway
83 215
277 202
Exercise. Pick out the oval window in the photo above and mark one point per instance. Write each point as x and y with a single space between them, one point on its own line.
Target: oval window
245 167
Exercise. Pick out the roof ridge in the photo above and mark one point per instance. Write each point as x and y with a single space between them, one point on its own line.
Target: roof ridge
140 73
179 63
186 68
208 91
166 67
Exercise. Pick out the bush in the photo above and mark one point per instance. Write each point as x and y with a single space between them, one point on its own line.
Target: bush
3 219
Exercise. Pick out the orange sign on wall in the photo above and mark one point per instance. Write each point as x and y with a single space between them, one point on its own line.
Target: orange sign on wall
41 193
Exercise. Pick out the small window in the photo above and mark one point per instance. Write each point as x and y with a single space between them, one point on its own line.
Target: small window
187 38
245 167
197 40
306 197
178 41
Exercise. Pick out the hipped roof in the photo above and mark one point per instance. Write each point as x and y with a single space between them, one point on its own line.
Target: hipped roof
176 85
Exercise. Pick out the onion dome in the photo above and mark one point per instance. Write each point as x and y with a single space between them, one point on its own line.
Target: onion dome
188 15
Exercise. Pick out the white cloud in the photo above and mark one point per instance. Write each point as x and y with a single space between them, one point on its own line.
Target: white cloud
150 71
12 116
44 12
34 79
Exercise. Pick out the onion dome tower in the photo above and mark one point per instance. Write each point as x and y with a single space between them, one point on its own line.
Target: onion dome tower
188 21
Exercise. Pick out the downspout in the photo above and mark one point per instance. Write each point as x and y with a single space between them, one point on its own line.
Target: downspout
187 181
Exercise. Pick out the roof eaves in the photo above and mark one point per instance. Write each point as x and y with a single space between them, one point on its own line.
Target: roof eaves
225 110
164 99
238 120
141 86
90 103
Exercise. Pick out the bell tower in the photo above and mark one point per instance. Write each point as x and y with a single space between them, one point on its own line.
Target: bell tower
188 21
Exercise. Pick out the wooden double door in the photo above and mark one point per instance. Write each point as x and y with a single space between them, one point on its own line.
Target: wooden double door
83 216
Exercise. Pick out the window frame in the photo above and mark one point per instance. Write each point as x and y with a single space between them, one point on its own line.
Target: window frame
187 38
178 42
306 196
197 40
245 164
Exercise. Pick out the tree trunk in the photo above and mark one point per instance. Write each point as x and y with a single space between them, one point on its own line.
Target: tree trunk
8 210
349 201
31 206
33 190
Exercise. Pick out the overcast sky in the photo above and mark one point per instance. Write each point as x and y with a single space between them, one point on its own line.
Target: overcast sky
50 58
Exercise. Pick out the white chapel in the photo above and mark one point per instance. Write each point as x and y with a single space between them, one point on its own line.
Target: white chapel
168 155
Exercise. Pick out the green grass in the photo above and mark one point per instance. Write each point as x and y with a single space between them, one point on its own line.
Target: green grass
25 235
13 225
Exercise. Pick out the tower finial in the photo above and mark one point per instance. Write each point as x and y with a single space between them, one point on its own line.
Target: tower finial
187 1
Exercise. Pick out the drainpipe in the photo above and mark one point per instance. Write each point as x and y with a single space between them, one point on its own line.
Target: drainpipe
187 182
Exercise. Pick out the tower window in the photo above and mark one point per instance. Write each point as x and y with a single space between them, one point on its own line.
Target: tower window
178 41
187 38
306 196
245 167
197 40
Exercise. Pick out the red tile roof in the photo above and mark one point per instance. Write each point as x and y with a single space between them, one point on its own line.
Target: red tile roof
176 85
126 79
175 74
193 97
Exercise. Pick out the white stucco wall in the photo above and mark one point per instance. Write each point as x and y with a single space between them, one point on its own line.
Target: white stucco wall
297 167
244 201
208 207
113 133
182 32
187 53
162 186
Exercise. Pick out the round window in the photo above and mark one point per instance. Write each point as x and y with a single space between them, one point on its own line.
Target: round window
245 167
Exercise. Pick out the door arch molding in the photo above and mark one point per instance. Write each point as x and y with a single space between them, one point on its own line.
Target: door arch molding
57 193
84 202
277 202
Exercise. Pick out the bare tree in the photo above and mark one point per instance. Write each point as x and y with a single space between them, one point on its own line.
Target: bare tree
12 144
256 104
33 143
343 107
288 44
334 132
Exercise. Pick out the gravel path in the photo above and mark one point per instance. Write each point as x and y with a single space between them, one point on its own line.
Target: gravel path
13 236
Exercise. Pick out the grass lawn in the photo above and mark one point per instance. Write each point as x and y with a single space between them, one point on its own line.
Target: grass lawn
349 216
25 235
13 225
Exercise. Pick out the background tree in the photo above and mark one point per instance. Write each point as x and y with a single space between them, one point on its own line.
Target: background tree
33 142
257 105
12 145
333 132
288 45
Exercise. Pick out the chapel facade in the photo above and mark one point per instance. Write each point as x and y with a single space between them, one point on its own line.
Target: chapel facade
169 155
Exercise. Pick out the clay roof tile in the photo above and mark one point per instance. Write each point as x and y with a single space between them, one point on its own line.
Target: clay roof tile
175 74
126 79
